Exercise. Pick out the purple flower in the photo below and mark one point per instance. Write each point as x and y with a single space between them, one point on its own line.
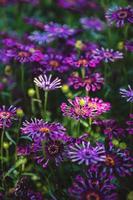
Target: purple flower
110 128
7 115
107 55
91 82
84 107
46 84
52 149
118 161
37 129
73 5
96 185
24 54
92 23
55 62
129 46
59 31
41 38
130 125
128 94
84 153
120 16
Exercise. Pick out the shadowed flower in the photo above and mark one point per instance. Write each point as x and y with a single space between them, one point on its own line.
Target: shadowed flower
46 83
37 129
129 46
84 107
52 149
110 128
91 82
128 94
54 62
95 186
107 55
7 115
130 125
120 16
92 23
84 153
118 162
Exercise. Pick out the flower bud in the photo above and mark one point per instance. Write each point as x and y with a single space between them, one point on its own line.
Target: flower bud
31 92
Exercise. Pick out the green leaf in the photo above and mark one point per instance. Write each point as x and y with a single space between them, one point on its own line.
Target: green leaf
25 138
9 138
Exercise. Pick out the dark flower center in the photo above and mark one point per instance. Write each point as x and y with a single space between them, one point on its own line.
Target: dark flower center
44 130
122 14
23 54
54 63
5 115
92 196
53 149
109 161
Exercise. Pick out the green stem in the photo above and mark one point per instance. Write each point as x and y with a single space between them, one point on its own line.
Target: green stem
22 77
45 103
2 164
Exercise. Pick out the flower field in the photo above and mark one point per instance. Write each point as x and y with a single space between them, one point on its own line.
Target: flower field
66 100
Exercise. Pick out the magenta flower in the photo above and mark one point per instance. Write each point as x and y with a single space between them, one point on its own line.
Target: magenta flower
91 82
84 153
84 107
46 83
37 129
7 115
107 55
120 16
129 46
96 185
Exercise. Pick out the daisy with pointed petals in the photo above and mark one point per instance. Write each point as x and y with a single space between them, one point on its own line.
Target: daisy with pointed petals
38 129
120 16
94 186
7 115
51 150
106 55
46 83
84 107
118 162
128 94
84 153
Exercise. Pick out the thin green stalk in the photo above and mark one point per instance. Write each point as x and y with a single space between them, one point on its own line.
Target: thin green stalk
32 106
2 141
22 77
45 103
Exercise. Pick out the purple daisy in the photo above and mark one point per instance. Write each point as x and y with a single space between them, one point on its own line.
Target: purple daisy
96 185
106 55
118 161
84 153
58 30
73 4
91 82
130 125
41 38
84 107
46 84
37 129
120 16
110 128
92 23
129 46
128 94
24 54
54 62
52 149
7 115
